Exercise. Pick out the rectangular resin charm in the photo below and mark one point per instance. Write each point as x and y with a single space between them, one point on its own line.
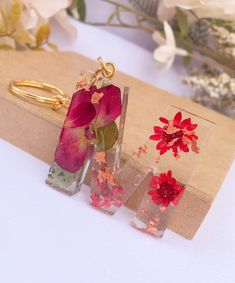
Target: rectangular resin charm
163 193
90 110
177 140
111 184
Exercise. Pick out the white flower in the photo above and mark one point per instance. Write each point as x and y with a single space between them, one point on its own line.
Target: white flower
62 20
220 9
26 17
165 54
47 9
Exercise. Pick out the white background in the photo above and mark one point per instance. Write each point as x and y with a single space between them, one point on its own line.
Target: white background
47 237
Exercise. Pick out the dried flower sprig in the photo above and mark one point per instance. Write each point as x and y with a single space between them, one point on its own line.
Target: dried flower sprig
181 29
224 40
198 31
213 89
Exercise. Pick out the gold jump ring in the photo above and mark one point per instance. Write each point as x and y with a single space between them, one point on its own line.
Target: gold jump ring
108 69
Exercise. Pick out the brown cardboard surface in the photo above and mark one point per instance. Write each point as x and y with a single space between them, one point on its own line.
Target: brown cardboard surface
35 128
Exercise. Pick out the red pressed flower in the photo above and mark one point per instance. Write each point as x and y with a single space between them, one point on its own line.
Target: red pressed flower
166 190
95 200
107 193
107 197
177 135
89 110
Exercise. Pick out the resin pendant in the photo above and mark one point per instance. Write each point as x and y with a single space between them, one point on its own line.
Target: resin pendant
163 193
108 191
172 152
111 186
90 110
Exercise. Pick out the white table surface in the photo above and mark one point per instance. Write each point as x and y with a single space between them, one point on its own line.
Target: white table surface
47 237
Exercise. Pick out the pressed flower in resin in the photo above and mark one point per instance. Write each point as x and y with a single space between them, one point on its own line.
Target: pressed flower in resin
165 190
110 185
84 117
90 110
176 135
163 193
106 194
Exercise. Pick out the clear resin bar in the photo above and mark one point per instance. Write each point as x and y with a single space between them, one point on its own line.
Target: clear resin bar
114 180
112 186
91 109
177 141
163 193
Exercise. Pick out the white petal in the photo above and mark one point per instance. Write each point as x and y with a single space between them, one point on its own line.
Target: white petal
164 53
29 18
47 9
169 63
158 38
170 38
184 4
189 6
181 52
7 41
63 20
165 13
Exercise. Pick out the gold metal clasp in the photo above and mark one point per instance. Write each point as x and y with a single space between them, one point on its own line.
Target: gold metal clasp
56 102
59 99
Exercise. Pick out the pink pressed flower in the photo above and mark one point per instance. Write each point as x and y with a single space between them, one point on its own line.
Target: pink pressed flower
82 120
109 106
71 151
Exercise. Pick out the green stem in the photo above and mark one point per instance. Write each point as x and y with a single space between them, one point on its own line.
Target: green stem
222 61
146 29
138 13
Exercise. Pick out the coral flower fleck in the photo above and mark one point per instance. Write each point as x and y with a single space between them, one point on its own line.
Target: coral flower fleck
100 157
166 190
106 175
96 96
177 135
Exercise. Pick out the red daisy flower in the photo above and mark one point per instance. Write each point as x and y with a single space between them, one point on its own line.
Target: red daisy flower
166 190
176 135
